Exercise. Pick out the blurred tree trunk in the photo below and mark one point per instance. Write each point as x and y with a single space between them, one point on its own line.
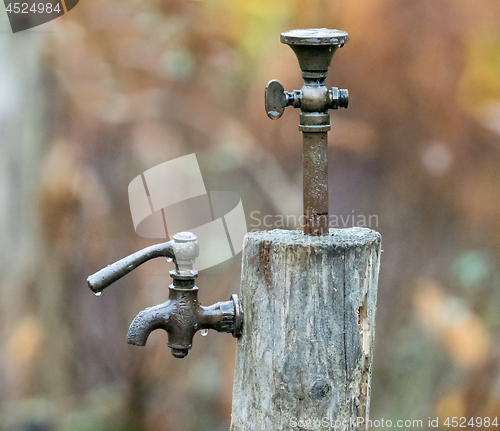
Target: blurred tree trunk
23 132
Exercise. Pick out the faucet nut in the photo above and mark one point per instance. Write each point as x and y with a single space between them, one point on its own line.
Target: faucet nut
338 98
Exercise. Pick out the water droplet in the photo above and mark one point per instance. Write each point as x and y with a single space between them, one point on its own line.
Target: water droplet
204 332
169 259
98 293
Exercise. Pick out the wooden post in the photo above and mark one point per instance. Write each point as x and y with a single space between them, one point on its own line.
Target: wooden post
305 357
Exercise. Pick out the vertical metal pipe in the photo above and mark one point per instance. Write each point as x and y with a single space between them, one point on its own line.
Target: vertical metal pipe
315 183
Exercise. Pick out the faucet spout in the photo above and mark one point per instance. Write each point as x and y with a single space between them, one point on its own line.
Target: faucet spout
182 316
147 321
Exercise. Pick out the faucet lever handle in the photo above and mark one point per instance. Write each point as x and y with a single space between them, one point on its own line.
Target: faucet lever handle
276 99
106 276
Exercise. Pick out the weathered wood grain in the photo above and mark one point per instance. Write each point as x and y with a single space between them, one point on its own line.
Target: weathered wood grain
304 359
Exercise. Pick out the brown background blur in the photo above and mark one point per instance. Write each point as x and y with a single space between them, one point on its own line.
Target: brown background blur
92 99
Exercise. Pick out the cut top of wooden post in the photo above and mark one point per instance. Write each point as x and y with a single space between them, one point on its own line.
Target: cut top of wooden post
305 355
339 238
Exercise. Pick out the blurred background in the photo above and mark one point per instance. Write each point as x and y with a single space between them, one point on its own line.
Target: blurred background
115 87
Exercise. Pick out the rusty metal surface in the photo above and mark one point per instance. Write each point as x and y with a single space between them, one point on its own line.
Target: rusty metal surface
314 49
315 183
181 316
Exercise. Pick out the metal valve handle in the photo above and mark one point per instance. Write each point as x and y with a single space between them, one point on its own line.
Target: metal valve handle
183 250
106 276
276 99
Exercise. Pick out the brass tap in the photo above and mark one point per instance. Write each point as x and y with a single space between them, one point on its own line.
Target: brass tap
181 315
314 49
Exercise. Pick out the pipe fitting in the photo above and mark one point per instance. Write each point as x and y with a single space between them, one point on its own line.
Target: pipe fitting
338 98
314 97
314 49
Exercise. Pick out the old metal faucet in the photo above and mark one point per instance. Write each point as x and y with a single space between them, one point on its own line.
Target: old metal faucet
181 315
314 49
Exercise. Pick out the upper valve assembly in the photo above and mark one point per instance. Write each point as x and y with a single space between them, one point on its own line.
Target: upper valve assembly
181 315
314 49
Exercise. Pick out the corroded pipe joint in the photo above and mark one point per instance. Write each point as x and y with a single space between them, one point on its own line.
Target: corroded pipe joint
313 122
224 316
315 97
314 49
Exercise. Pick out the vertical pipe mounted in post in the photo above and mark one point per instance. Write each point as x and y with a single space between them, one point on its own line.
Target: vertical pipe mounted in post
314 49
